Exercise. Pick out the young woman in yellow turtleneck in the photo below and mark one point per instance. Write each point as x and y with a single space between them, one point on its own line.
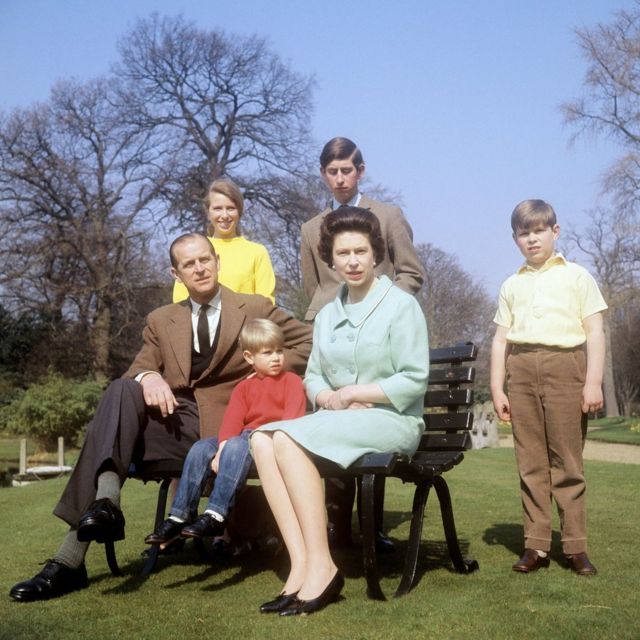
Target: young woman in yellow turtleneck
245 266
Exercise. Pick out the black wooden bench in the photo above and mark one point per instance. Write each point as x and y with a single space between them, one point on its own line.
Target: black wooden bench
448 419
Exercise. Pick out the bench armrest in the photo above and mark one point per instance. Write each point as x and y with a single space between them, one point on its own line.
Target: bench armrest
383 463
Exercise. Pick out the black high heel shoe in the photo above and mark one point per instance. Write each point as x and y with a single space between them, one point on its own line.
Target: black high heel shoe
329 595
281 602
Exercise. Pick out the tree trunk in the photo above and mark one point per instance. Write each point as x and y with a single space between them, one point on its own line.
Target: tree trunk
100 339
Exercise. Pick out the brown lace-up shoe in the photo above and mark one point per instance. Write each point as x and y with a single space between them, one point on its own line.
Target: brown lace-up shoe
530 561
579 563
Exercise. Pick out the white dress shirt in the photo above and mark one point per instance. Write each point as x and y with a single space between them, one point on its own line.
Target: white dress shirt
213 318
354 202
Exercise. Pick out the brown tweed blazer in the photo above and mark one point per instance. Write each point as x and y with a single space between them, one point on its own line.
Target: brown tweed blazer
400 264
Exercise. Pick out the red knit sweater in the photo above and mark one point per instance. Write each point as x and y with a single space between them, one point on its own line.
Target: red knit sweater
257 401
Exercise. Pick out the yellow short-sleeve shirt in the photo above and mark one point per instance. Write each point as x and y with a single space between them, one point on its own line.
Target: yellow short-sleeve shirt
548 305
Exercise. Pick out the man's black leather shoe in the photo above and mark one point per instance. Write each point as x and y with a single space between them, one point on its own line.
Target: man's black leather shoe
165 533
203 526
102 522
384 544
55 580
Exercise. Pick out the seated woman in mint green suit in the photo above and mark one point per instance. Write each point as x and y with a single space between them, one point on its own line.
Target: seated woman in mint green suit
366 378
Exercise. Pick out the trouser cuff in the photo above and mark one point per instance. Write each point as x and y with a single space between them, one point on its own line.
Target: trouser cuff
539 544
571 547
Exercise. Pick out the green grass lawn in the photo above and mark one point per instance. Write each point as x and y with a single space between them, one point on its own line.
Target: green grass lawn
10 449
619 430
10 454
187 599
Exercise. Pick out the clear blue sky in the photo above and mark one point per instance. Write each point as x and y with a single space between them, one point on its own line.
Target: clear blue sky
454 103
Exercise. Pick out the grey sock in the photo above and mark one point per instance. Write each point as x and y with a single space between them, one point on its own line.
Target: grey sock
109 487
71 552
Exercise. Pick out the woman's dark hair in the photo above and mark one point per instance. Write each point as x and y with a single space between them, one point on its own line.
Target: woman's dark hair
350 219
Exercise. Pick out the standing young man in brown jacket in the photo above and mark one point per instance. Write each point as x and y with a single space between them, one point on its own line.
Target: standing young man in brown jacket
342 167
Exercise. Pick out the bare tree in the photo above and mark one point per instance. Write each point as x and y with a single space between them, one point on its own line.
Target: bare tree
85 177
610 106
611 243
456 307
626 347
77 187
296 199
229 105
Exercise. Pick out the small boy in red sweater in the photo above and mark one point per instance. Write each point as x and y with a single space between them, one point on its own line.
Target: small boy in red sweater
268 395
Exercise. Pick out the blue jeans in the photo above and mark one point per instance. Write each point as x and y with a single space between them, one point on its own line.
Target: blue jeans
235 461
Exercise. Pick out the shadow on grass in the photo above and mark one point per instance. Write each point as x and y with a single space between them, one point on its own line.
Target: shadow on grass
433 554
511 536
249 565
508 534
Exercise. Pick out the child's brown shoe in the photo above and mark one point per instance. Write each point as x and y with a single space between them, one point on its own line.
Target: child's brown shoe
579 563
530 561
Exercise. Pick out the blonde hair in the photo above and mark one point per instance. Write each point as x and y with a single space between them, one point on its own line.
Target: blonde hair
260 333
226 188
530 213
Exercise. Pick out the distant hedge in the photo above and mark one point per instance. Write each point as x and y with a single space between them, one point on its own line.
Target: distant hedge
56 406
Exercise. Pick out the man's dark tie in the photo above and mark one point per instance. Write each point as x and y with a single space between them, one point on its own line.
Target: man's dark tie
203 331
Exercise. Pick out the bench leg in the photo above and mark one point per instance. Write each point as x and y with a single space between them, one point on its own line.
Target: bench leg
161 508
415 536
368 527
152 559
462 565
111 558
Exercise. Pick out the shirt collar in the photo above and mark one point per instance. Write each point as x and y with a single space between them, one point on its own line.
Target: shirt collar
554 260
214 303
363 309
354 202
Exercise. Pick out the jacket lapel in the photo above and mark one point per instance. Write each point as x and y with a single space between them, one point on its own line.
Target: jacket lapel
179 333
232 318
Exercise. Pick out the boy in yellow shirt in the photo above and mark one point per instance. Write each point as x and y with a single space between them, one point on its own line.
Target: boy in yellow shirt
549 344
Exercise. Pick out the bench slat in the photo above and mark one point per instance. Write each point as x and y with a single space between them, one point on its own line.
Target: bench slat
448 355
445 442
448 421
448 398
439 457
452 375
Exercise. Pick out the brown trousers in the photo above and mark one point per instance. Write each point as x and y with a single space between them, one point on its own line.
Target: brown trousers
545 394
